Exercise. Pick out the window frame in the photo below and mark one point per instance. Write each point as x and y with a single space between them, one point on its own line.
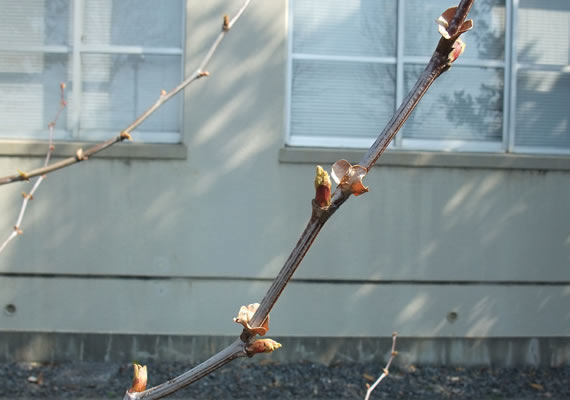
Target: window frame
74 50
510 66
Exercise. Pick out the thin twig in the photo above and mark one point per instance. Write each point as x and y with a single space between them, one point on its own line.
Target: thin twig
439 63
83 155
17 230
386 369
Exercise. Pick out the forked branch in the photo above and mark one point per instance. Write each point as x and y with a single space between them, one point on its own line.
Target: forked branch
349 180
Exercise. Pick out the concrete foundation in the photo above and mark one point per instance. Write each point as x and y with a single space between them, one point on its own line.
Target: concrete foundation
495 352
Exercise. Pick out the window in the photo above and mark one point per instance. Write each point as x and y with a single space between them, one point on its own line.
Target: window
351 62
115 57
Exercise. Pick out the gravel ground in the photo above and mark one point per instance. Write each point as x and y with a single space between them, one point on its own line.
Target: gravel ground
269 380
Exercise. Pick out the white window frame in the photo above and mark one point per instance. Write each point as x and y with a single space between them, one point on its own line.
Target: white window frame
75 50
510 67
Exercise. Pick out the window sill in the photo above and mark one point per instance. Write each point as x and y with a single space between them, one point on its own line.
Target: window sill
426 159
142 151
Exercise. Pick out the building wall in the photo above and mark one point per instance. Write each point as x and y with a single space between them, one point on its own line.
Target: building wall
176 246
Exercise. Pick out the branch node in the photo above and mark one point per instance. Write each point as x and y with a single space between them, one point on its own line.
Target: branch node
348 177
203 73
79 155
126 136
444 22
320 213
226 26
245 315
163 93
24 176
18 230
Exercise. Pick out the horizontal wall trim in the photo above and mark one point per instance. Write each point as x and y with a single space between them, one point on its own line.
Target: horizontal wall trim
296 280
425 159
152 151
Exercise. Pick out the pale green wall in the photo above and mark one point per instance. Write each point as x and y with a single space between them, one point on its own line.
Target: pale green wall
232 210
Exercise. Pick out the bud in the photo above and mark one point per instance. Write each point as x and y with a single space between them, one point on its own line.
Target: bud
139 379
445 19
126 135
322 187
245 315
262 346
79 155
456 50
23 175
349 177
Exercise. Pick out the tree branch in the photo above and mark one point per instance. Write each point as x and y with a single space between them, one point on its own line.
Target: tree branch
386 370
126 133
440 62
29 196
349 180
230 353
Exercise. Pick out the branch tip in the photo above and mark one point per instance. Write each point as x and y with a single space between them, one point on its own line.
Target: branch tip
322 187
139 379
